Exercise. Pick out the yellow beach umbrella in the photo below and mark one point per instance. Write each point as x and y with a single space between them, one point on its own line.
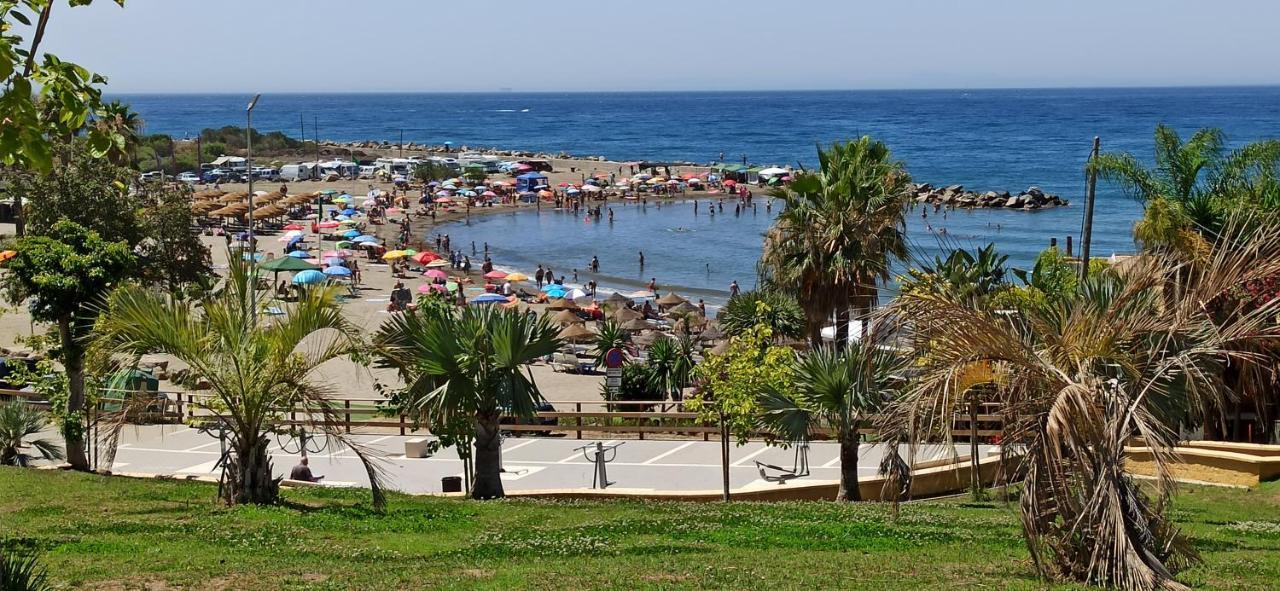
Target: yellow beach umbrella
393 255
517 277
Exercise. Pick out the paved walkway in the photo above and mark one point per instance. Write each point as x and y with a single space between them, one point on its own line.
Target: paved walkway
530 463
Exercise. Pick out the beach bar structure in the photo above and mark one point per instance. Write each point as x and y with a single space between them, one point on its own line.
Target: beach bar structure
530 181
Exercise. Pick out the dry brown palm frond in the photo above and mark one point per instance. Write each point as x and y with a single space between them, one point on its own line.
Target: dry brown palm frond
1136 354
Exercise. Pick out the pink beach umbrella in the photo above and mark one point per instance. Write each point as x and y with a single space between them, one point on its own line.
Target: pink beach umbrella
437 274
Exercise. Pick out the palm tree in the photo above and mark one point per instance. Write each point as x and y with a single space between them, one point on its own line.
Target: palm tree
124 125
780 313
978 275
609 336
1136 352
833 390
18 421
837 233
463 371
253 367
670 363
1194 184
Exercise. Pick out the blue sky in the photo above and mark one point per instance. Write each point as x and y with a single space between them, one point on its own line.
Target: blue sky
549 45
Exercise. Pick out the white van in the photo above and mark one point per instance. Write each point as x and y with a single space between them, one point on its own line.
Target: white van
295 172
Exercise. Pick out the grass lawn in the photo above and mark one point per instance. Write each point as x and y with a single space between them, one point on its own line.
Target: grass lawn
117 533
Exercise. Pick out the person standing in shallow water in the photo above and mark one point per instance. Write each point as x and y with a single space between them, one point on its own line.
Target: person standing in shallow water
642 259
537 276
733 288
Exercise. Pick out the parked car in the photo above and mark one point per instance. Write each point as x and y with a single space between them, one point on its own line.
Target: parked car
546 421
190 178
150 176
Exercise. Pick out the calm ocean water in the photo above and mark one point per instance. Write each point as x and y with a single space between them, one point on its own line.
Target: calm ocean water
983 139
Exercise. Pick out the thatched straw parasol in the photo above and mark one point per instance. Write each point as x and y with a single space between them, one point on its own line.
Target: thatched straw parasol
636 324
577 332
684 308
209 193
566 317
671 299
562 304
233 197
648 338
627 314
618 298
712 333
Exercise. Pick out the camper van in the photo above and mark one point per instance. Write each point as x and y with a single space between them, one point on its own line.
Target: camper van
490 163
395 166
340 167
295 172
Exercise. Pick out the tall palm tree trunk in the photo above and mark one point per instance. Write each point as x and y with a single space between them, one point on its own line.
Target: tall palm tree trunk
849 443
73 362
249 478
488 484
843 319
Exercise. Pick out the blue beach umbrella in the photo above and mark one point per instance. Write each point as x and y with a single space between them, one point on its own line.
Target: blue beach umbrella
556 294
337 271
350 234
552 287
488 298
364 238
299 254
308 277
349 211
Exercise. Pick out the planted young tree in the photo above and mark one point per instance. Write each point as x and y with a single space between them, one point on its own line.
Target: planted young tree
61 277
727 387
1134 352
463 370
252 367
18 422
834 391
670 364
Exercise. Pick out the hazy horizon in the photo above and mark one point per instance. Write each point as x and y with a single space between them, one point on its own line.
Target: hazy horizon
400 46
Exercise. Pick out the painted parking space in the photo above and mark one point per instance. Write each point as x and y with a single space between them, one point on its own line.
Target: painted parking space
530 463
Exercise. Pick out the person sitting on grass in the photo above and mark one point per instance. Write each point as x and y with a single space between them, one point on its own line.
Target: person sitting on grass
302 472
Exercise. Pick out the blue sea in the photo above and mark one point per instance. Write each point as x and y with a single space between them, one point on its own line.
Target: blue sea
982 139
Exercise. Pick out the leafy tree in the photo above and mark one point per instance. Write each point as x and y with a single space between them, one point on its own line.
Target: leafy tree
44 97
170 254
84 189
728 387
781 313
836 391
62 275
18 421
1132 353
254 367
463 371
432 171
1194 184
840 227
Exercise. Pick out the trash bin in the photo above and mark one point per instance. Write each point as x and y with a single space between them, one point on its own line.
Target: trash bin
451 484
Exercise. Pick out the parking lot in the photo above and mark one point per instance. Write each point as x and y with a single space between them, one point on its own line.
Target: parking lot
529 463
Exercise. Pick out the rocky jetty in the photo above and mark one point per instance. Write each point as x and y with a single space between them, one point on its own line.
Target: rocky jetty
956 196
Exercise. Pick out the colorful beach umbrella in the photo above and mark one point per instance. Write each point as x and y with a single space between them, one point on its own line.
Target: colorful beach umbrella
489 298
299 254
436 274
308 277
423 258
517 277
336 271
495 275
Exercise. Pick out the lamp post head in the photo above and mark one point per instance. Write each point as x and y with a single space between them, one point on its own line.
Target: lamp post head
253 103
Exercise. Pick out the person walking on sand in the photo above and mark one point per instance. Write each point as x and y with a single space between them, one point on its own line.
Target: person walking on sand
537 276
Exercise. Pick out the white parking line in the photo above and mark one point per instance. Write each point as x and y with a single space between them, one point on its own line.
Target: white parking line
578 454
742 461
518 445
379 439
833 463
200 447
666 453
